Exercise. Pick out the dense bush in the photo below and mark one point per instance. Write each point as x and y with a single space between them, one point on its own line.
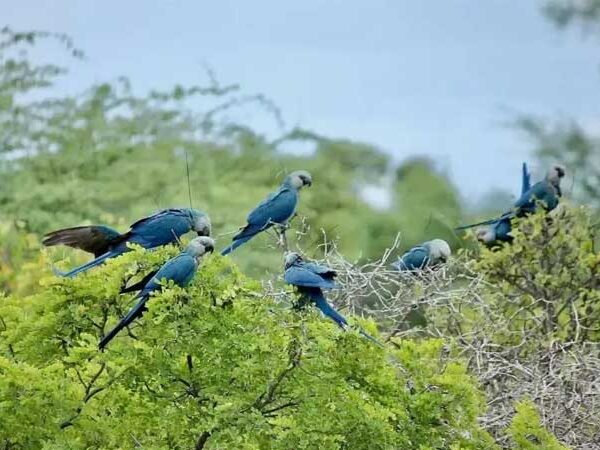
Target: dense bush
221 363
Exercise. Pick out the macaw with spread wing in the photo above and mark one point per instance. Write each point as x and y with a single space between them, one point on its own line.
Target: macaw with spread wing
162 228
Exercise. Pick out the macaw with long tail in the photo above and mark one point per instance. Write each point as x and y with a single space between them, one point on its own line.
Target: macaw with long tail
547 192
180 269
428 254
310 279
162 228
277 209
500 229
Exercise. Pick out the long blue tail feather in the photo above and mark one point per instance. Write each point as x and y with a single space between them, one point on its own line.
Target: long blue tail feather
370 338
235 244
473 225
93 263
136 311
324 306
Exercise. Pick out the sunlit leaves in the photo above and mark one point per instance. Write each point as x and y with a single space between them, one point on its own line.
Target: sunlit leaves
218 358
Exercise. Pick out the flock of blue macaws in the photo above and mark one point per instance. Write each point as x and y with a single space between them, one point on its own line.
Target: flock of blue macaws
545 193
310 279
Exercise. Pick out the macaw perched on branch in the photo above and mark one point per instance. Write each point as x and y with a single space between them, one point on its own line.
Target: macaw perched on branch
499 230
180 269
310 279
162 228
277 209
547 192
428 254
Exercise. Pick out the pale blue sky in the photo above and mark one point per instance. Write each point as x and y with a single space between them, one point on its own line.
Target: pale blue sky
412 77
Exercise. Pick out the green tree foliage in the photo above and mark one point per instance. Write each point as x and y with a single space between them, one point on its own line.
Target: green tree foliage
18 251
551 276
526 315
227 363
527 433
111 156
426 200
565 12
218 365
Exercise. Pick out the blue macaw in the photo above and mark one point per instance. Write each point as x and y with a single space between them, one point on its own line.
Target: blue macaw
180 269
162 228
310 279
499 230
525 179
428 254
547 192
276 209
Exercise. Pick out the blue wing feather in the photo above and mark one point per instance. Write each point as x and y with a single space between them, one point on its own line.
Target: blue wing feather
540 191
321 270
177 212
310 278
276 208
180 270
300 275
160 229
415 258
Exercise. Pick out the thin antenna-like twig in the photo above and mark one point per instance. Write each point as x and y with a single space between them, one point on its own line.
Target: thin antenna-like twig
187 169
429 219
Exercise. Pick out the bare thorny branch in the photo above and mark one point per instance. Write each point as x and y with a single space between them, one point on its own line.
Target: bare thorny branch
458 305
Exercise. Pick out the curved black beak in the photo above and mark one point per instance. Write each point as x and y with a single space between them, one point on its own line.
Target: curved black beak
204 232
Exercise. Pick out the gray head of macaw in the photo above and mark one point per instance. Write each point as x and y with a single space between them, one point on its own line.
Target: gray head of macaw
486 235
439 250
199 246
555 173
200 222
298 179
291 258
